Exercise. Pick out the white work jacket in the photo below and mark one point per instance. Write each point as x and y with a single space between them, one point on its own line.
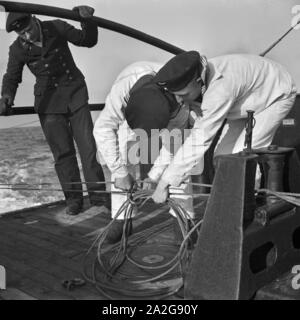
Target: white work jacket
236 83
112 132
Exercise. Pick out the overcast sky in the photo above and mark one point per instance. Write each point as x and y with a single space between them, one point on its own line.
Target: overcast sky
213 27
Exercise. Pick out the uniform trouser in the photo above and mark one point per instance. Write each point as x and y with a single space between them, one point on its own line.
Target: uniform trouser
60 131
266 123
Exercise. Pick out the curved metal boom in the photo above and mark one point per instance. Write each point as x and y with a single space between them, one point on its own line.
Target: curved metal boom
102 23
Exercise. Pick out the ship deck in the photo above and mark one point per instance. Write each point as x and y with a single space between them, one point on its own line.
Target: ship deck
41 247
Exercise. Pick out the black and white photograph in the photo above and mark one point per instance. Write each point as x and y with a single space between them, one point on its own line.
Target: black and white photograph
149 153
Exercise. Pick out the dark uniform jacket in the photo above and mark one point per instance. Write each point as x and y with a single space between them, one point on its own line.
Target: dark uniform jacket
59 83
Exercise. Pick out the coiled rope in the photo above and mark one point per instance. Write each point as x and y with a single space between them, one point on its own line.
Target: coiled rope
105 270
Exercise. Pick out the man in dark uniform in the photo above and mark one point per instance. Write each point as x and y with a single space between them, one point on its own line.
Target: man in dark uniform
61 97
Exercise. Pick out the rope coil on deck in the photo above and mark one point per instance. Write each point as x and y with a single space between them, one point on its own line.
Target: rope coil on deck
105 270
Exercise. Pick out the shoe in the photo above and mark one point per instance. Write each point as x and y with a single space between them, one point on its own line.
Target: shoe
73 209
115 231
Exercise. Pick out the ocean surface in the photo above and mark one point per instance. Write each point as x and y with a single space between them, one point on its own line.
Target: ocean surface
25 158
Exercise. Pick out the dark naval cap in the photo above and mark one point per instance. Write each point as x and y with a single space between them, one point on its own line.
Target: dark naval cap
179 71
148 108
17 21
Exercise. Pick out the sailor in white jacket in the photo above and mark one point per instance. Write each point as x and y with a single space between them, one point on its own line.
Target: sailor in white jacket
224 87
114 137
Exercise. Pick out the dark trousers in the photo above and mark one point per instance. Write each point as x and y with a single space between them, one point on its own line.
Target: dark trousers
60 131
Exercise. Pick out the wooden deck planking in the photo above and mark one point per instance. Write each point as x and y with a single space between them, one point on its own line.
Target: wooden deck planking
40 231
42 247
29 281
49 271
52 227
68 248
36 249
26 286
27 242
16 294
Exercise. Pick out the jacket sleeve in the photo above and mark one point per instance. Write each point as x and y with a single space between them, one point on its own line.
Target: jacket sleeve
172 139
13 75
160 163
106 134
86 37
215 107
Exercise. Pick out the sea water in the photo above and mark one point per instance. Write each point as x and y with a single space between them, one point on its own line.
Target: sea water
25 158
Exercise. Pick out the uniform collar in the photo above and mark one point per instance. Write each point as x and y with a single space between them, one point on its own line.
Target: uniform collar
39 43
213 74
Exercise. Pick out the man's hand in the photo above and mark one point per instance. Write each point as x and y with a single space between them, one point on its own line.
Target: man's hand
149 184
195 112
5 105
126 183
84 11
161 192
